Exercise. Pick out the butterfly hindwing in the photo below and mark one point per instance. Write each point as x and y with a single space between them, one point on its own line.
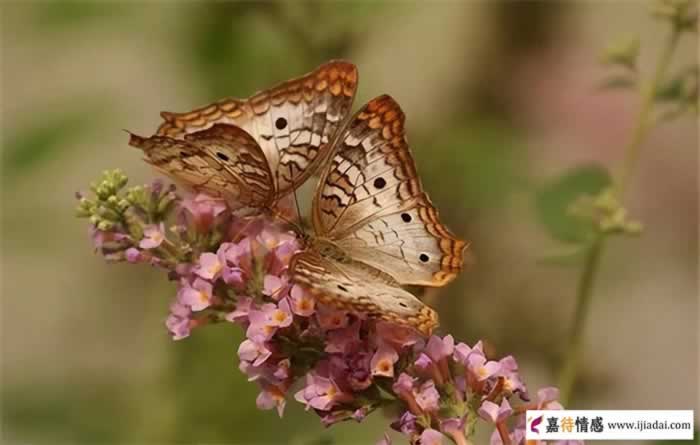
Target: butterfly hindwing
371 204
361 289
295 122
222 161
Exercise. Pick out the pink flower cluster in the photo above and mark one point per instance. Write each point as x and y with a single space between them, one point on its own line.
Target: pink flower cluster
339 364
447 386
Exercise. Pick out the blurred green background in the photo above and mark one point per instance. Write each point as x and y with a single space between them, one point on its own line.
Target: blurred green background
500 100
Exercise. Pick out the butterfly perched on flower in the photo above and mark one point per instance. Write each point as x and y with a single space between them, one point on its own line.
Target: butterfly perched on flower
374 228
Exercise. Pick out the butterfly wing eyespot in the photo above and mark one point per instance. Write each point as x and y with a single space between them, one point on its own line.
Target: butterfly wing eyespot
222 161
371 203
360 289
294 122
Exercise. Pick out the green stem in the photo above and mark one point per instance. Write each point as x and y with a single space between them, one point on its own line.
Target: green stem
583 303
645 119
644 123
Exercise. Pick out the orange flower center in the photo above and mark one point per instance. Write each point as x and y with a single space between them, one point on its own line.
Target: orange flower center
215 268
279 316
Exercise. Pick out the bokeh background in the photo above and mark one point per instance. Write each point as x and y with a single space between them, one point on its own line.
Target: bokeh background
501 100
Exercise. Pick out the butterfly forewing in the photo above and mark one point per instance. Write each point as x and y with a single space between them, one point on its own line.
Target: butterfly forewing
295 123
358 288
222 161
371 204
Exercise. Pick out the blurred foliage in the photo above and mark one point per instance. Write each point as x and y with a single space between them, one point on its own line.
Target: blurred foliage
554 201
61 15
28 147
285 43
483 163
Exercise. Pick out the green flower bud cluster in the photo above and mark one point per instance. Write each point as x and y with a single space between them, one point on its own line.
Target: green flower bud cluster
130 209
607 214
682 14
623 53
108 207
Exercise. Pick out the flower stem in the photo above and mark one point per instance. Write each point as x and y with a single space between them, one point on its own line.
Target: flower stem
502 429
644 122
459 438
567 377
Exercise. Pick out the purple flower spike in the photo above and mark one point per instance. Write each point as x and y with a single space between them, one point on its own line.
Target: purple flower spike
197 296
351 363
133 255
302 303
274 286
439 348
254 353
480 368
398 336
330 318
547 398
320 393
281 317
234 277
202 210
153 236
344 340
493 413
404 384
431 437
462 352
452 425
261 327
270 398
178 322
209 266
383 360
428 397
512 381
240 314
235 253
406 424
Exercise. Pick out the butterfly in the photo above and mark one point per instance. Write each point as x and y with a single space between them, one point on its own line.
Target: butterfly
375 228
254 151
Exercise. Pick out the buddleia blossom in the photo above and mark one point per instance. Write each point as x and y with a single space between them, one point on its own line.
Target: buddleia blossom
337 364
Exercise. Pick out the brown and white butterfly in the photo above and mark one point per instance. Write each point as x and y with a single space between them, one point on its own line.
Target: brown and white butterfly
375 228
253 152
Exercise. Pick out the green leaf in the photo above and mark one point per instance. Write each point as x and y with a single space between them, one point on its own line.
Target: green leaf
554 199
671 91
